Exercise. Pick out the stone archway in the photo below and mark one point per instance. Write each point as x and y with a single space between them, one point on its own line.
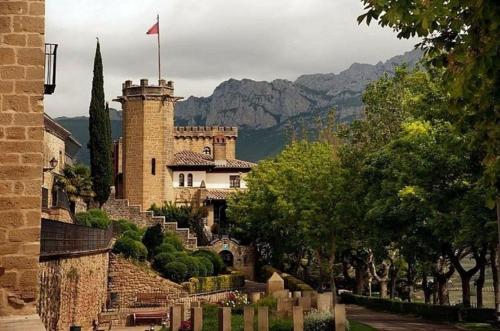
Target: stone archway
227 257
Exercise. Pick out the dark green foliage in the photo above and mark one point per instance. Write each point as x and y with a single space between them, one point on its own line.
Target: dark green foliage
218 264
215 283
76 182
291 283
202 270
174 240
161 260
319 320
209 266
166 248
280 324
100 135
176 271
191 264
125 225
95 218
153 237
434 312
131 248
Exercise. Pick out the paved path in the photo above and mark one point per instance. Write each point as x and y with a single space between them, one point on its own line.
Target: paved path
392 322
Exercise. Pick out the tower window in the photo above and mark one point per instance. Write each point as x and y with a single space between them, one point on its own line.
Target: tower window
234 181
190 180
153 166
181 180
207 151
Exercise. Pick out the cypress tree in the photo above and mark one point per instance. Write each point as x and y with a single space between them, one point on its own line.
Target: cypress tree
100 135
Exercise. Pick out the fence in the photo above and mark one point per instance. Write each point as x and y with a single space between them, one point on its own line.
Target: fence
59 238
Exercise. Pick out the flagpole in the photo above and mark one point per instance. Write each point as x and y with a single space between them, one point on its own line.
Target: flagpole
159 65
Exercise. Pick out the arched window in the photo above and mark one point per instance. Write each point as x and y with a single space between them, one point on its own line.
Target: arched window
190 180
207 151
153 166
181 179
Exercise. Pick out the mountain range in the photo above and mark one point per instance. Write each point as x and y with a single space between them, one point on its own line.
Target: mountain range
262 110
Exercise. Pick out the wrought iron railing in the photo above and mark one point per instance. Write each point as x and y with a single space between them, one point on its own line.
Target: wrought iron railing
50 67
58 238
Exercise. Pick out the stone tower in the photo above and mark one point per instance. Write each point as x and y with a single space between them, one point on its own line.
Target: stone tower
148 125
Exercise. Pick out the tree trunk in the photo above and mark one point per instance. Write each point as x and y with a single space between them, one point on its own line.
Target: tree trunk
360 277
333 288
393 280
442 291
382 279
480 285
465 290
427 289
494 272
383 288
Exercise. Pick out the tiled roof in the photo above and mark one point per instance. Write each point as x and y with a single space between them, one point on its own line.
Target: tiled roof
214 194
189 158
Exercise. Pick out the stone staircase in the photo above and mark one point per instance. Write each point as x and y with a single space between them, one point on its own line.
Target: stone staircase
121 209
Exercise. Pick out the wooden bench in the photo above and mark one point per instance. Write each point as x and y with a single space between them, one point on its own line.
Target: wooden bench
153 299
149 316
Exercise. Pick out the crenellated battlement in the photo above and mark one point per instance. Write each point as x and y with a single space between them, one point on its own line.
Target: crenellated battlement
163 88
205 131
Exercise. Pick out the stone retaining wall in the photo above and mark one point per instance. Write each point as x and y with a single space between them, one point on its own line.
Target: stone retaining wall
73 290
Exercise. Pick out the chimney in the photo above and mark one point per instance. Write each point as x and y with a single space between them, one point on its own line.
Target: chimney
219 149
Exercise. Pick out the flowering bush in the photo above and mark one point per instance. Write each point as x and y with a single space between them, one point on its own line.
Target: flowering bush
185 326
234 299
318 321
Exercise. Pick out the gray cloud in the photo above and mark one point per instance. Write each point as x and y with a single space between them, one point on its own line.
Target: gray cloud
205 42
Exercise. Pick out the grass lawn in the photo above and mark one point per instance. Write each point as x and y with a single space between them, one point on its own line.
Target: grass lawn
356 326
478 326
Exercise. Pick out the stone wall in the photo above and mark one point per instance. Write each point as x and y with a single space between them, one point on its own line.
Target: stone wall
73 290
21 142
195 138
243 256
129 278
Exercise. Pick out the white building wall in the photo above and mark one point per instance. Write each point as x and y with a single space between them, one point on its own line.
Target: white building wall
214 180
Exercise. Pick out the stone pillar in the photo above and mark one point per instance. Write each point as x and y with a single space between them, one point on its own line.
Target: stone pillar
175 318
298 319
254 297
197 318
324 301
305 303
248 315
275 283
22 31
224 319
263 318
340 317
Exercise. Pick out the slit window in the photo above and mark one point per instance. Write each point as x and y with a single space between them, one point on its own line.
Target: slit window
153 166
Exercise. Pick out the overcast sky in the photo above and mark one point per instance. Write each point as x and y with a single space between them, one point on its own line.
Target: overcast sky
205 42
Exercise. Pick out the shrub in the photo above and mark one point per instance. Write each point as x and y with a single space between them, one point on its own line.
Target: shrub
174 240
132 234
216 260
191 264
209 267
95 218
215 283
153 237
175 271
280 324
202 271
267 301
166 248
319 321
161 260
124 225
131 248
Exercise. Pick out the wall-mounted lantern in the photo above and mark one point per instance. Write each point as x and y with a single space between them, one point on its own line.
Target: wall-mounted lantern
52 165
50 67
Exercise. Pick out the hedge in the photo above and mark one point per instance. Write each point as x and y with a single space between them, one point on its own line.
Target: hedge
291 283
214 283
433 312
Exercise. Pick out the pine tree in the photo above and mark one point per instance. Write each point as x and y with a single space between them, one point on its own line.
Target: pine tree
100 135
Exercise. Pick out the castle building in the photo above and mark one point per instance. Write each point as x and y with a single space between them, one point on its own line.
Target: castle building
157 162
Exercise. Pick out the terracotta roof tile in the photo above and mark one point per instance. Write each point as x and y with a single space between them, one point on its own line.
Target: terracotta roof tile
189 158
219 194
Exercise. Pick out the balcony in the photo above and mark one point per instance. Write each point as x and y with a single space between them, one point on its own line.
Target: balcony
50 67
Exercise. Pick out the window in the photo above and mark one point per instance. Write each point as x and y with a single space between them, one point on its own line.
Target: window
181 179
190 180
234 181
153 166
207 151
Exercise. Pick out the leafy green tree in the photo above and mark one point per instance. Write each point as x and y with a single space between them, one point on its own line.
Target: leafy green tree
100 135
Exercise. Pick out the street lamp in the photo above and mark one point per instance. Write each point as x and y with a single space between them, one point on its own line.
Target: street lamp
53 163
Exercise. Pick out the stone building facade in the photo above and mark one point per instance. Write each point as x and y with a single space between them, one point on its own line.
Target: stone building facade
21 157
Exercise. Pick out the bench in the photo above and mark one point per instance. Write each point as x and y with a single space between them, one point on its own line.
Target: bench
153 299
149 316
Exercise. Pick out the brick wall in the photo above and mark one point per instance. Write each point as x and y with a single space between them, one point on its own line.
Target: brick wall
21 142
73 290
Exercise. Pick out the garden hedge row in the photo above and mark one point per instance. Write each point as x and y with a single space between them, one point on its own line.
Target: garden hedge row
291 283
214 283
433 312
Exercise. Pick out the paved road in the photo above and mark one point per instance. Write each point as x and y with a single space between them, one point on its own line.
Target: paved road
392 322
